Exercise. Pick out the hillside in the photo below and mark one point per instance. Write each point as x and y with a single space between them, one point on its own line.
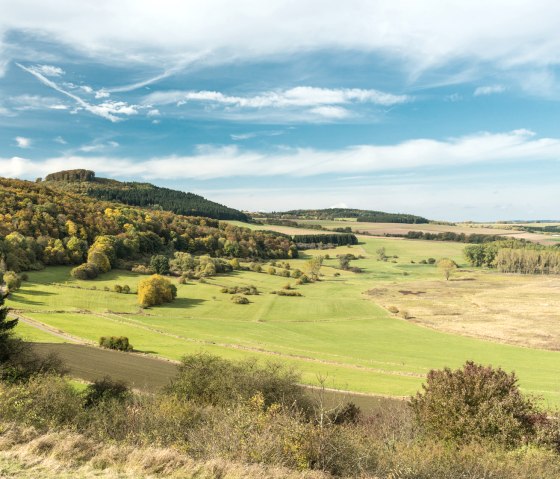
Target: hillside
144 195
368 216
41 225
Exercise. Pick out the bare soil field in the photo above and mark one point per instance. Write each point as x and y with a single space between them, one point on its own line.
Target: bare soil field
516 309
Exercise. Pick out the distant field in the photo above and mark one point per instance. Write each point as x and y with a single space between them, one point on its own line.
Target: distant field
335 332
381 229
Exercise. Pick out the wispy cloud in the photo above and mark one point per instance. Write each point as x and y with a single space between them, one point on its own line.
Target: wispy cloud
302 96
229 161
489 90
109 110
254 134
49 70
22 142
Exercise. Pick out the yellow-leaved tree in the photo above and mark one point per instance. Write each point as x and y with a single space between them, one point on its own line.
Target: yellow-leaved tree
155 290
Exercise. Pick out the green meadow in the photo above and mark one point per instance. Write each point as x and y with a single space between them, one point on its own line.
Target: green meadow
335 333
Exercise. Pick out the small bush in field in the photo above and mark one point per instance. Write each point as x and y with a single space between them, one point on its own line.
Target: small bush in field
119 343
239 299
393 309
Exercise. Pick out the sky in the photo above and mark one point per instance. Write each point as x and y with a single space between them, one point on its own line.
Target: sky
447 110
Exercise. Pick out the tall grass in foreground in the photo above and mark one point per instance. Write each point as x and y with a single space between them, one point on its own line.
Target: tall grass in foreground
248 414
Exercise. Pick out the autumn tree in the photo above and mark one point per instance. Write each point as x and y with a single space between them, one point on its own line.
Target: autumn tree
446 266
155 290
314 265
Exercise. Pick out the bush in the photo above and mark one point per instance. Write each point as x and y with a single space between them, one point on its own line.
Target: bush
155 290
142 269
271 270
405 314
393 309
239 299
475 402
209 379
286 292
85 271
106 389
119 343
431 261
126 289
246 290
12 281
117 288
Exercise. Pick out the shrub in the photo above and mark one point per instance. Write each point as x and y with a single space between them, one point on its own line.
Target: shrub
246 290
296 273
271 270
286 292
106 389
209 379
155 290
117 288
142 269
393 309
431 260
119 343
85 271
239 299
405 314
472 403
12 281
99 259
256 267
126 289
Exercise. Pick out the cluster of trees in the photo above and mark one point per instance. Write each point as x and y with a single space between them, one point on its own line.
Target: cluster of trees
144 195
189 266
449 236
515 256
369 216
338 239
71 175
44 226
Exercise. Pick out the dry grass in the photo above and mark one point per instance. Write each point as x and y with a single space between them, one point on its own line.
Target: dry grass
515 309
25 453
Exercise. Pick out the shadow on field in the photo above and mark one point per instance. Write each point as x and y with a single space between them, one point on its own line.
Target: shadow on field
23 296
183 303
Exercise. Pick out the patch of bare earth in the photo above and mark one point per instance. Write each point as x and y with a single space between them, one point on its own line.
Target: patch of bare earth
516 309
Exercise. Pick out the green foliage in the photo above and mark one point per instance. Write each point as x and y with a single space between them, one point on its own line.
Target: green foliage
209 379
239 299
155 290
85 271
287 292
106 389
12 281
159 264
446 266
246 290
142 195
118 343
312 240
473 403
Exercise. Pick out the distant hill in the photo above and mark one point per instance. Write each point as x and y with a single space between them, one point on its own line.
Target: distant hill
144 195
368 216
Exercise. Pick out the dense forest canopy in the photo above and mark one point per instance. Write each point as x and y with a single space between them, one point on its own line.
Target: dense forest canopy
144 195
360 215
40 225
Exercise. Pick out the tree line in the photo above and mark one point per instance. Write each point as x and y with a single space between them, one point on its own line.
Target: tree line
515 256
369 216
473 238
338 239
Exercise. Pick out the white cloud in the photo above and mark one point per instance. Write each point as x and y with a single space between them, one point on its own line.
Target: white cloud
60 140
423 35
302 96
22 142
231 161
489 90
36 102
49 70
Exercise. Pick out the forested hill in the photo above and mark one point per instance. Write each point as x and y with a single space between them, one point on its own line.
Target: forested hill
40 225
368 216
145 195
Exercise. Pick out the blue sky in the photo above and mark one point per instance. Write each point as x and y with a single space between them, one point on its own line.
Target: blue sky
444 110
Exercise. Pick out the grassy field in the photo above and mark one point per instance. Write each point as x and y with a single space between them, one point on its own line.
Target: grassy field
334 333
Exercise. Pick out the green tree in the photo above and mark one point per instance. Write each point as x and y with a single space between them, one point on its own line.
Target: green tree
160 264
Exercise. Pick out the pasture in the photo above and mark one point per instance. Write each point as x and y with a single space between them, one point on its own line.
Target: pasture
335 334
